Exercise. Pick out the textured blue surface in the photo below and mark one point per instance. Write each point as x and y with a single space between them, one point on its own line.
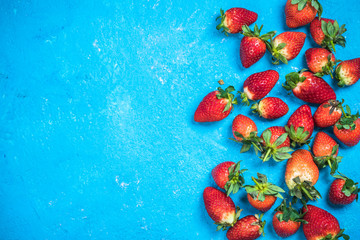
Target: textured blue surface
97 138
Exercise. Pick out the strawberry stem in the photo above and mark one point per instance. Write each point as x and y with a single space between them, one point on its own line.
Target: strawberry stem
267 155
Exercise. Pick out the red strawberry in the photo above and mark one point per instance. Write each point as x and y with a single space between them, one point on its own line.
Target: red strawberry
234 18
215 106
348 72
286 46
328 114
301 12
229 176
253 47
325 150
220 208
300 126
258 85
247 228
327 33
245 131
270 108
321 224
276 144
320 61
347 129
263 194
343 190
309 88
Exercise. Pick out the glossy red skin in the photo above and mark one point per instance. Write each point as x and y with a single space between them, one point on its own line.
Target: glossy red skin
276 132
322 117
316 31
320 223
350 71
258 85
302 118
317 58
285 229
336 196
262 206
294 43
211 108
220 173
244 230
252 49
295 18
243 125
313 89
235 18
272 108
349 137
323 145
217 204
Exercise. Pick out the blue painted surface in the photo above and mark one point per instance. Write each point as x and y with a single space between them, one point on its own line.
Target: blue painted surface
97 139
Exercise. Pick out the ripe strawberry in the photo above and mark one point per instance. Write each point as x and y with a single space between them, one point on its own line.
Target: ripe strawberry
215 106
301 175
320 61
220 208
234 18
245 131
308 87
229 176
263 194
343 190
252 46
286 46
327 33
301 12
247 228
287 220
276 144
258 85
328 113
347 129
348 72
300 126
321 224
270 108
325 150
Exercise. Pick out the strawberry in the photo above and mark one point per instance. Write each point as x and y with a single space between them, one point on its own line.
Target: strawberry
234 18
215 106
328 113
287 220
301 175
263 194
252 46
308 87
327 33
229 176
247 228
348 72
286 46
301 12
320 61
321 224
220 208
245 131
258 85
276 144
270 108
347 129
326 150
300 126
343 190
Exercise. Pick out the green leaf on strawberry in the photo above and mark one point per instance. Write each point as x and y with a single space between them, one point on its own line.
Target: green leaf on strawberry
289 213
236 179
303 191
271 150
350 187
332 161
263 188
227 95
333 35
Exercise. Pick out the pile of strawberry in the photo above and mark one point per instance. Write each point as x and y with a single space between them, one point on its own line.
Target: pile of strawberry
278 142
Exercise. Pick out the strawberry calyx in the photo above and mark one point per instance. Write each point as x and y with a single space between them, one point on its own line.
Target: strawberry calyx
333 105
271 150
247 32
333 35
347 121
236 179
303 191
277 56
298 137
227 95
339 78
332 160
350 187
263 188
252 140
302 3
292 80
338 236
259 223
222 25
225 226
288 213
328 68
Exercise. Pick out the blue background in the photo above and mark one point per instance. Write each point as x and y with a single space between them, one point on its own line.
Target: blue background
97 137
